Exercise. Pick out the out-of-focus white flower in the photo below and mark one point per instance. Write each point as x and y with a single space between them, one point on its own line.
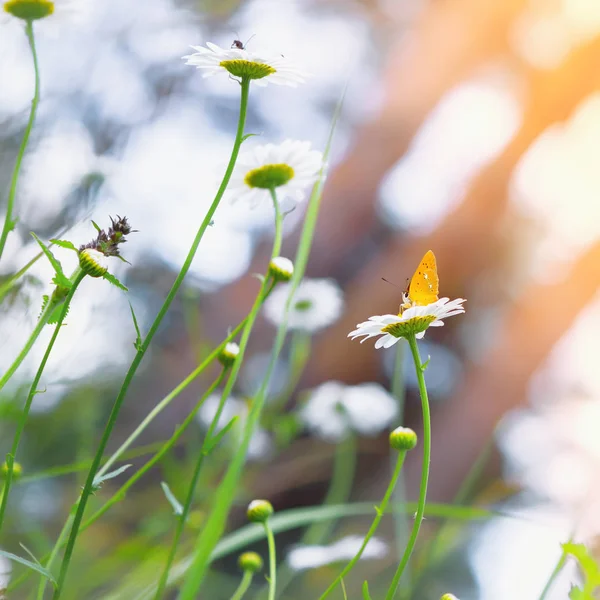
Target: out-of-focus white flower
260 442
317 303
311 557
411 321
334 410
240 62
288 168
5 571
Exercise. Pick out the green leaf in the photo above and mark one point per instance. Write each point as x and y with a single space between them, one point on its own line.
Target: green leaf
590 568
249 135
32 565
578 594
365 591
60 278
217 438
64 244
56 313
175 504
45 300
112 279
138 340
344 589
96 226
111 475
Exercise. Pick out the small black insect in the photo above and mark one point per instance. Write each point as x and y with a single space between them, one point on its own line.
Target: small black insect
239 45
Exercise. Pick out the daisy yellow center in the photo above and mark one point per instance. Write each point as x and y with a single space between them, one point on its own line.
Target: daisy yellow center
303 305
247 68
269 177
29 10
409 327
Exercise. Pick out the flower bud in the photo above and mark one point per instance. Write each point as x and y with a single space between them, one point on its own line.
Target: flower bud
228 355
259 511
448 597
250 561
93 262
403 438
281 268
29 10
16 473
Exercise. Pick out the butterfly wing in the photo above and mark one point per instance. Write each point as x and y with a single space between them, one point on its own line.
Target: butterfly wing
424 286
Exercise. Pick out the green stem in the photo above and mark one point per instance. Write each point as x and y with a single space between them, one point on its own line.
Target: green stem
380 512
272 561
215 523
53 554
300 346
398 390
12 194
344 467
35 334
342 477
173 394
466 487
32 392
87 490
208 438
555 572
244 585
225 494
412 540
120 493
9 282
225 394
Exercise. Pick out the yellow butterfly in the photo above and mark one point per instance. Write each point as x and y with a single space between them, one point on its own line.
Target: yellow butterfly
423 288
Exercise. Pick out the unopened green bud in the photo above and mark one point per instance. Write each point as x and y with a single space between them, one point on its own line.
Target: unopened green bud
250 561
16 473
93 262
228 355
281 268
403 438
259 511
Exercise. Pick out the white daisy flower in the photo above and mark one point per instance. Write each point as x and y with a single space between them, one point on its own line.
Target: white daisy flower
260 442
240 62
317 303
288 168
334 410
411 321
311 557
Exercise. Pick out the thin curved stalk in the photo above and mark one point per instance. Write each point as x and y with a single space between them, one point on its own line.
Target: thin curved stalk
12 193
244 585
272 560
32 392
225 394
412 540
380 512
88 487
215 525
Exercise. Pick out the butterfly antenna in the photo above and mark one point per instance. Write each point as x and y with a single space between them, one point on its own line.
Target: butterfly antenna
391 283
